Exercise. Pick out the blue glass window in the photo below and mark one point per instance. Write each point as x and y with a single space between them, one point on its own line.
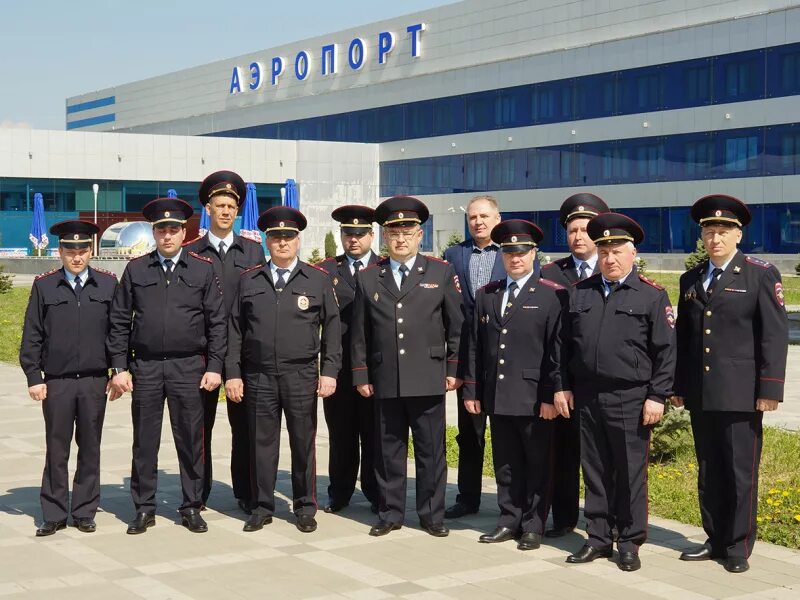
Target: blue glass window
480 111
739 77
449 115
419 120
476 172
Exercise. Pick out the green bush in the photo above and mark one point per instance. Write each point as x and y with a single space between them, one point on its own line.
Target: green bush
641 266
696 257
454 240
672 435
315 257
6 282
330 245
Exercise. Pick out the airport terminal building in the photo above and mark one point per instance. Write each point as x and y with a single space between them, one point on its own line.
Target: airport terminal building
649 103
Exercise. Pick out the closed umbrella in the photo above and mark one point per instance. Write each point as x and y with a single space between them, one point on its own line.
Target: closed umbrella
249 228
291 199
38 234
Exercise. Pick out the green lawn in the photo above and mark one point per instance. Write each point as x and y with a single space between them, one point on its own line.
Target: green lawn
12 313
791 285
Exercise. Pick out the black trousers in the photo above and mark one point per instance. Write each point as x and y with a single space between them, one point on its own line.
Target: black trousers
295 395
178 381
521 453
471 440
351 428
728 447
614 455
73 404
425 416
566 464
240 445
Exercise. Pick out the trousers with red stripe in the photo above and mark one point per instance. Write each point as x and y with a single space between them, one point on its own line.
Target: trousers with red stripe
268 397
614 456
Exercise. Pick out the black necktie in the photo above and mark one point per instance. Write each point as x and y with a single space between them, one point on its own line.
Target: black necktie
612 286
403 274
281 282
512 288
78 287
584 271
357 266
168 265
714 276
222 250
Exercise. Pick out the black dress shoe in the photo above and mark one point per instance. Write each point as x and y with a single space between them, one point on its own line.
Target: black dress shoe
501 534
382 528
435 529
141 523
529 541
50 527
703 552
736 564
334 507
306 523
244 506
557 532
629 561
458 510
256 522
191 519
588 554
85 524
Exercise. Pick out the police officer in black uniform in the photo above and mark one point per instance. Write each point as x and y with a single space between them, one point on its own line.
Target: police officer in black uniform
581 264
64 359
223 194
405 342
350 416
513 369
622 360
732 334
280 362
168 327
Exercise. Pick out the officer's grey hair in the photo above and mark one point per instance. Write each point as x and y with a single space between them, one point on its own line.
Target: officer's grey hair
485 197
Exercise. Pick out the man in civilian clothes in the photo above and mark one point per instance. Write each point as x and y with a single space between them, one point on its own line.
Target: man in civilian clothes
732 343
223 194
581 264
350 416
477 262
513 369
64 358
405 333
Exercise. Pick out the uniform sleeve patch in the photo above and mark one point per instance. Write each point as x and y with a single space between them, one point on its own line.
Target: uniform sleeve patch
457 282
779 293
670 314
203 258
758 262
552 284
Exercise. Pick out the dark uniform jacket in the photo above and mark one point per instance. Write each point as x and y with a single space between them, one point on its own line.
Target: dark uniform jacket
561 271
732 347
406 343
153 320
344 283
626 339
273 332
459 257
242 255
64 335
515 359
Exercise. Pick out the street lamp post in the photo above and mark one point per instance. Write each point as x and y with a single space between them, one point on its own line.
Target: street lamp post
95 189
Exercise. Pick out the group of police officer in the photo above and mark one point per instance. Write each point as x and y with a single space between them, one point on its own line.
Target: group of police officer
573 362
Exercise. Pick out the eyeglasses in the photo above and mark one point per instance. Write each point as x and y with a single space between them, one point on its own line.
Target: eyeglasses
396 235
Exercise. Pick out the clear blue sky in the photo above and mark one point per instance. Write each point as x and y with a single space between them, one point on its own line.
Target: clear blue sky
53 49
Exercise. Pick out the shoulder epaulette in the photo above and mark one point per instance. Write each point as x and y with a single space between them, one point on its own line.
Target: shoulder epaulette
380 263
105 272
43 275
550 264
139 257
492 286
318 268
384 260
758 262
650 282
203 258
441 260
327 260
184 244
243 273
552 284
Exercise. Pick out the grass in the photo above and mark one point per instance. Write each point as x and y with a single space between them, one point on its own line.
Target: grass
12 314
791 285
672 485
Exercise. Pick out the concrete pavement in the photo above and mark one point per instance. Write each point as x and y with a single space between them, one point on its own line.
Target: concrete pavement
338 561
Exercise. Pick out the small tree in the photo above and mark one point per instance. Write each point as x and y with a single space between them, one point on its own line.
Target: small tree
330 245
671 435
6 282
641 266
315 257
454 240
696 257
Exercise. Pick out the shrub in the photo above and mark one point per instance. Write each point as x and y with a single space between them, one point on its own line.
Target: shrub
454 240
672 435
5 281
330 245
315 257
696 257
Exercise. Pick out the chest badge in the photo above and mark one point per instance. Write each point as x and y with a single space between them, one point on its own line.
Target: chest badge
302 303
737 269
335 281
376 296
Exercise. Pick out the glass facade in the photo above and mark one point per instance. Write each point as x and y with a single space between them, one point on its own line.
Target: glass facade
736 77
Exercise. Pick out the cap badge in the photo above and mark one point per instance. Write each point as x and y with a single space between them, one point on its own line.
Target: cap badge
166 214
580 209
228 185
76 237
606 233
355 221
302 303
280 224
513 238
399 215
718 213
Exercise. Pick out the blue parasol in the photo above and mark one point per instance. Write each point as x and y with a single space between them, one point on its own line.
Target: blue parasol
249 228
205 220
38 234
172 193
292 199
